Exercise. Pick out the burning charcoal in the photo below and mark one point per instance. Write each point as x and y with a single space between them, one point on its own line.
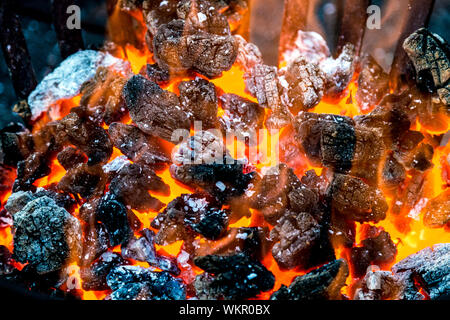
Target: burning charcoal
302 83
253 241
155 111
355 200
158 13
235 277
104 91
295 235
199 100
132 183
271 192
379 285
324 283
188 215
309 45
48 139
137 283
377 248
45 235
95 241
421 158
431 58
394 172
70 157
338 72
129 5
94 277
242 117
262 82
84 180
6 266
318 184
373 85
155 73
15 144
6 219
248 54
342 231
86 136
30 170
136 145
426 270
113 215
143 249
437 211
65 81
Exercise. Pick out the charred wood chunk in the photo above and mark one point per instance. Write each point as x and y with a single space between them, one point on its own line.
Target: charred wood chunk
158 13
242 117
394 172
437 211
324 283
379 285
189 215
295 235
254 241
34 167
137 283
94 276
426 270
302 84
136 145
132 183
155 111
6 266
431 58
143 249
70 157
84 180
155 73
16 144
48 139
318 184
271 194
376 248
86 135
262 83
373 85
352 198
342 231
408 196
46 235
199 99
235 277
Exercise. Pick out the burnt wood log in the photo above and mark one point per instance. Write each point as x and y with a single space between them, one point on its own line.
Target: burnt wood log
16 52
419 15
69 41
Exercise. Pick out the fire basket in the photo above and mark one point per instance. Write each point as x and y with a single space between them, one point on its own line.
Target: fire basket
228 150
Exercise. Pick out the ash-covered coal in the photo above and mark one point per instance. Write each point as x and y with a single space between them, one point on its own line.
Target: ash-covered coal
379 285
137 283
248 54
45 235
18 200
324 283
231 277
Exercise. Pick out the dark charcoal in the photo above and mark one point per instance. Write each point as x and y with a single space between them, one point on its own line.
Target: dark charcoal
324 283
310 128
373 84
48 139
318 184
295 235
7 175
437 210
302 84
70 157
379 285
94 276
352 198
84 180
199 100
156 74
155 111
136 283
36 166
113 215
394 172
430 55
421 158
189 215
136 145
15 144
428 270
6 266
46 235
253 241
86 135
195 12
132 183
143 249
157 13
242 117
271 192
235 277
342 231
376 248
